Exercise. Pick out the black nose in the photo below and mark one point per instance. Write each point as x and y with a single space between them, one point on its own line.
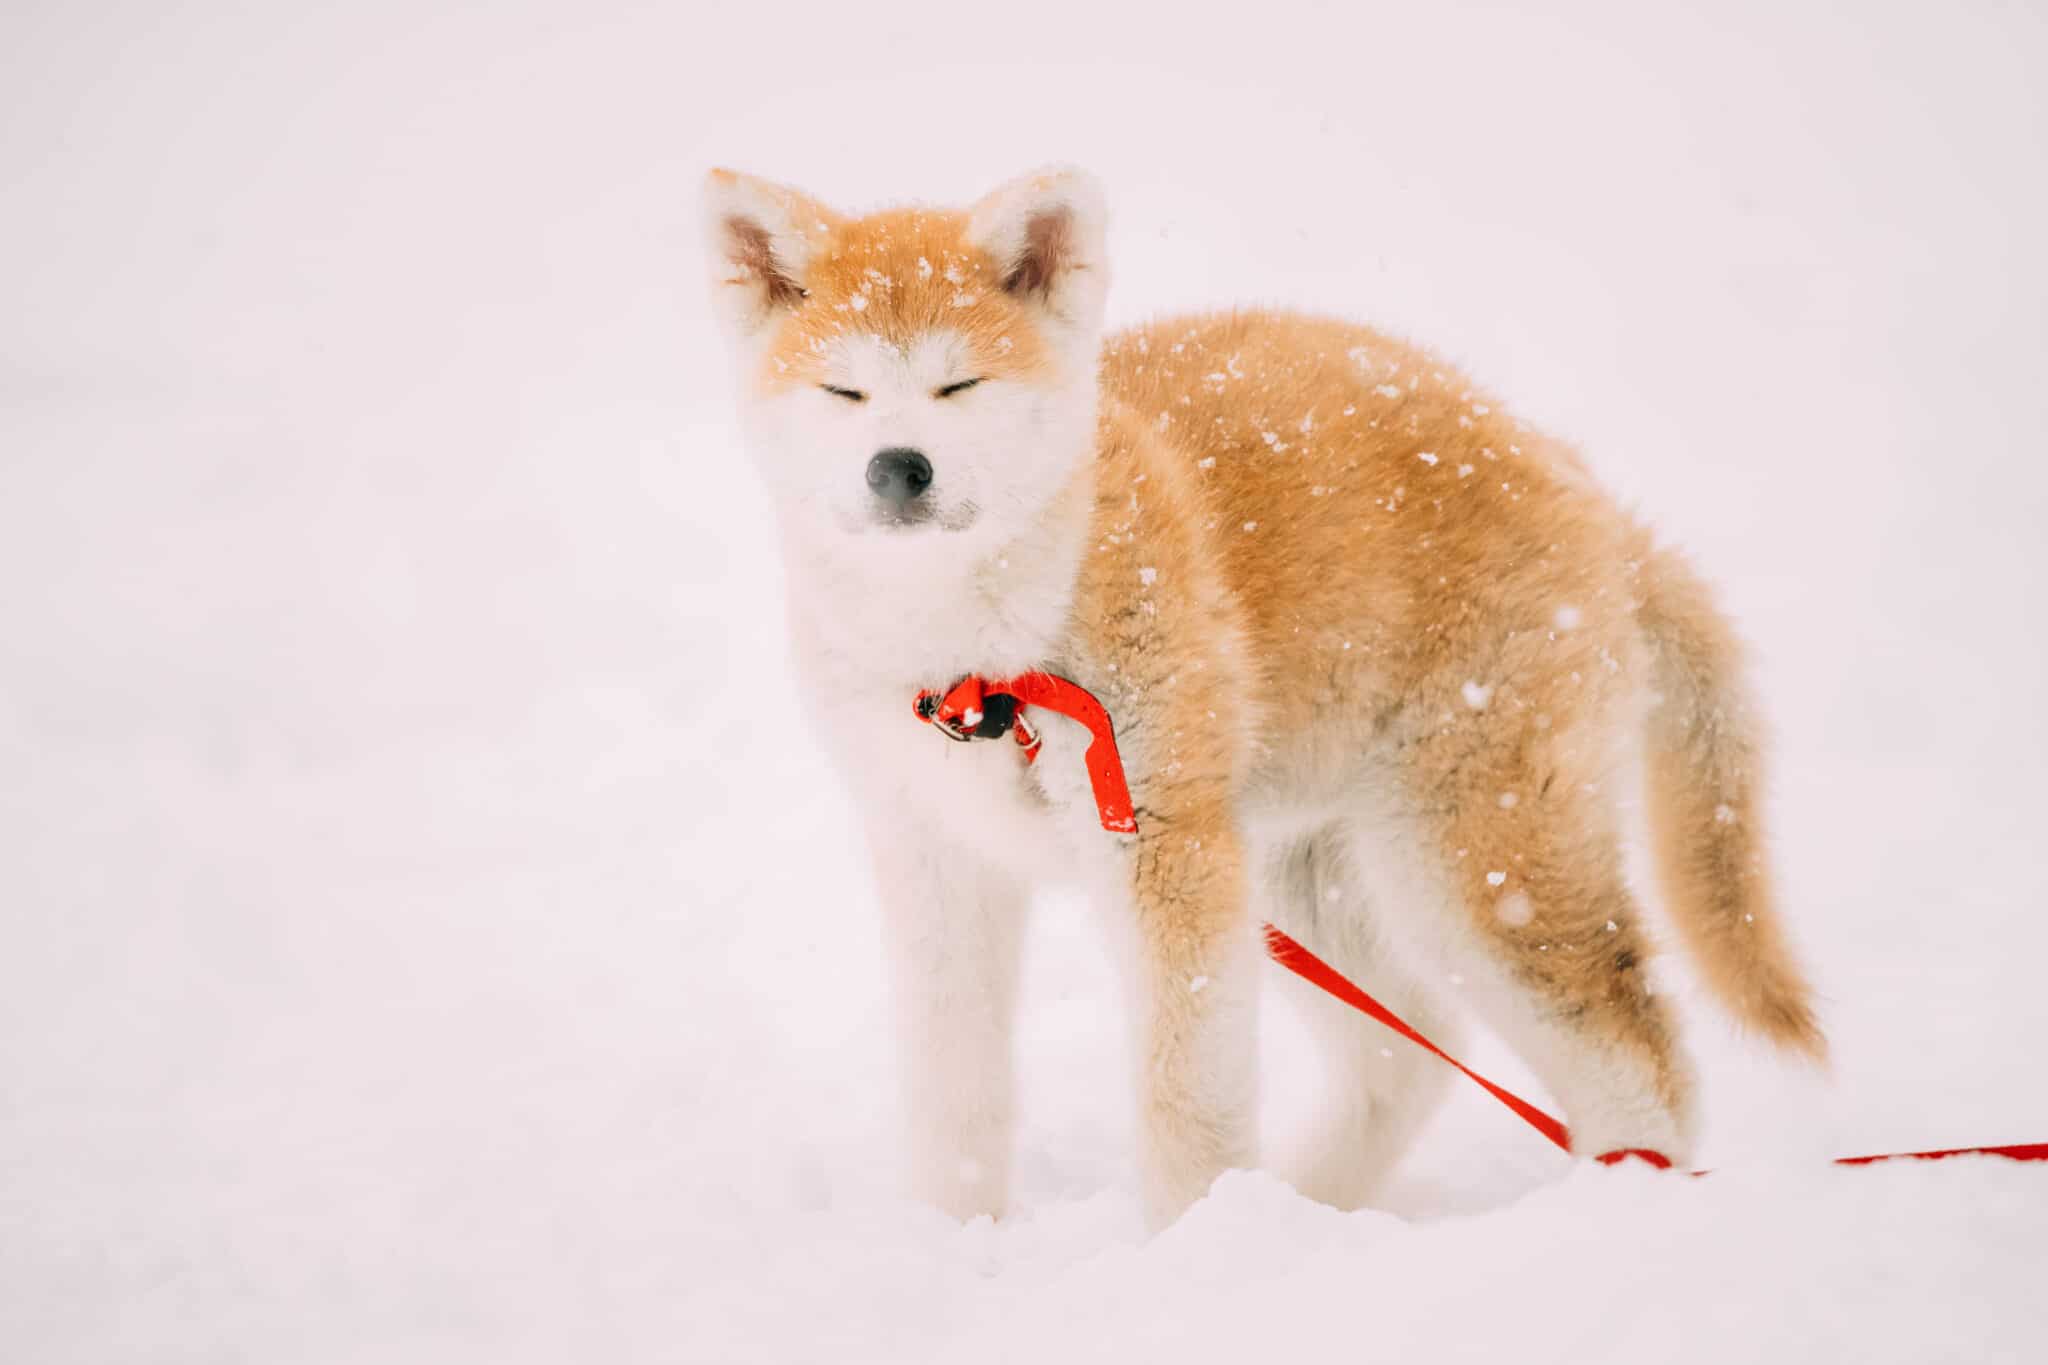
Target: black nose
899 474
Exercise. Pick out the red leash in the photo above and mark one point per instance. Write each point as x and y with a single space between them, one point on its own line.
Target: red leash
1316 972
1310 968
977 709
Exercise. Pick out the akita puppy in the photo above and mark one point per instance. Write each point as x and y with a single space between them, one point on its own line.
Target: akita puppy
1379 656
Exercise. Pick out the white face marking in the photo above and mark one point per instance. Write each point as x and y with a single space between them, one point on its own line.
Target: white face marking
998 451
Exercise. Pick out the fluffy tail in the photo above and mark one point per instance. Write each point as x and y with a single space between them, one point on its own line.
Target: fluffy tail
1705 794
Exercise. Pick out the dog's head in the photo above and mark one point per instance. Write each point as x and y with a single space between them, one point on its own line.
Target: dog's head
921 378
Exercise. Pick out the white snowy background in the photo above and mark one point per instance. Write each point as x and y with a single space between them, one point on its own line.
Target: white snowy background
425 937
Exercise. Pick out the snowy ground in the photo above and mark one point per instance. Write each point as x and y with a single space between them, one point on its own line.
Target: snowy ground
421 937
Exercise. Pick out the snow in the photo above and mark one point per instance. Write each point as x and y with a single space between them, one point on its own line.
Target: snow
425 935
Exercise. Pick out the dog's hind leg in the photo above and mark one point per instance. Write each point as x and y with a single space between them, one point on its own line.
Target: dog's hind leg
1379 1088
1523 904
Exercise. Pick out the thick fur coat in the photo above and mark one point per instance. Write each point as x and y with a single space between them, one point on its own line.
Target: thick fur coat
1381 660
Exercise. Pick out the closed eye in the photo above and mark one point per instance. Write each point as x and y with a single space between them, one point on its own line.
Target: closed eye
850 395
951 389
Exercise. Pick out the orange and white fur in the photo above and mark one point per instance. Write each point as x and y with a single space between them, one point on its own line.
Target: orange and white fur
1381 660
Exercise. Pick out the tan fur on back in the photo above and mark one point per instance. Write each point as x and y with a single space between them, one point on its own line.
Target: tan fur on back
1411 566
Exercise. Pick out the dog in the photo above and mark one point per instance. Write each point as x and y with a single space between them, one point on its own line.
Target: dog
1382 662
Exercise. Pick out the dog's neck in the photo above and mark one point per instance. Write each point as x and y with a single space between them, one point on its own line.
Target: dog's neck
893 623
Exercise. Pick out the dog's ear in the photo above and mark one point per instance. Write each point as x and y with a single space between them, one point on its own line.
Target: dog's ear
763 237
1047 234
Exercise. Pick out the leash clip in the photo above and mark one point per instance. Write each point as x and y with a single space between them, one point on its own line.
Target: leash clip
928 711
971 710
975 709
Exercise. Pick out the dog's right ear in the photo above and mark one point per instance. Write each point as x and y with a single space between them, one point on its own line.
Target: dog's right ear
763 237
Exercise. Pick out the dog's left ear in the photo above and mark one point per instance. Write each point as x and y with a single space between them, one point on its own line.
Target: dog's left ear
1047 234
763 237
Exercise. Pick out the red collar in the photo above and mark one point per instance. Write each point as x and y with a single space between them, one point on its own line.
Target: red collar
977 708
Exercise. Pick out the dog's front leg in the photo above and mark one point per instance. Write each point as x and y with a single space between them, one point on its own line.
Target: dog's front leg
954 926
1198 993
